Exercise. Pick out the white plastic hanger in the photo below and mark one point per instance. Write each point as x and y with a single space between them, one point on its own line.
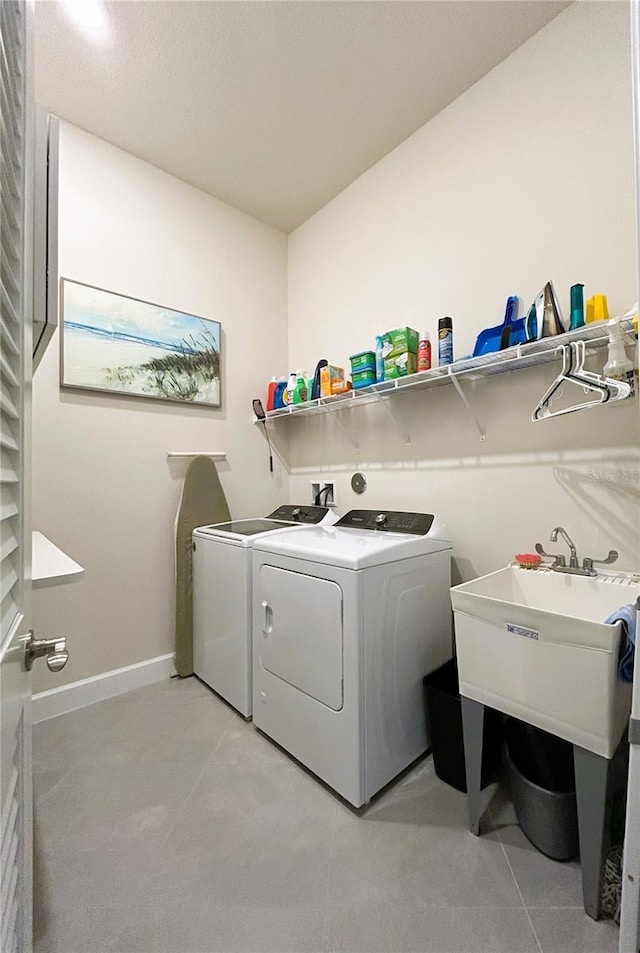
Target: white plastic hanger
574 371
618 390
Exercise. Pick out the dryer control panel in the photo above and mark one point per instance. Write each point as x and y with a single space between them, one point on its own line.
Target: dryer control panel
391 521
291 513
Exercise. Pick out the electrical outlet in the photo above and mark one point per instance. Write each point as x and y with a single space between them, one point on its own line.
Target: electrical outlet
328 490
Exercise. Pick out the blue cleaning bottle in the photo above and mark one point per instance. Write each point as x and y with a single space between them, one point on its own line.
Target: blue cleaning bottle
379 359
278 402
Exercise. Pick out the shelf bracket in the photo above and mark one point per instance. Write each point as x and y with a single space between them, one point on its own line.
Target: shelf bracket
461 394
334 417
397 424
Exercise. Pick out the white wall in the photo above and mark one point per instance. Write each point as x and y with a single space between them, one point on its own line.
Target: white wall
103 489
528 176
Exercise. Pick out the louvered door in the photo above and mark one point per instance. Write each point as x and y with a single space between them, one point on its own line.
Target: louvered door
630 908
15 558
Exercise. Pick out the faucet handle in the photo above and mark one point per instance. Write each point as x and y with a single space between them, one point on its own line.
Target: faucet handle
557 560
588 563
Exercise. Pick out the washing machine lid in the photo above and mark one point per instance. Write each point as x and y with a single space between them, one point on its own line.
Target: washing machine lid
361 539
288 516
242 529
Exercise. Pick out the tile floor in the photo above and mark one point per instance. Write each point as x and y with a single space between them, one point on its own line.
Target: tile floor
164 823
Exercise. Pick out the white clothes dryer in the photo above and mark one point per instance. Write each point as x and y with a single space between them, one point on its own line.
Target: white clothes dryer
347 620
222 655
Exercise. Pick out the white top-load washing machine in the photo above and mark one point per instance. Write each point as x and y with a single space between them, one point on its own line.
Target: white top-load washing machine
347 620
222 596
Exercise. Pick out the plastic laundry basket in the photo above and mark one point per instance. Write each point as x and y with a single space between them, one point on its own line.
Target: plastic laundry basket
543 788
444 714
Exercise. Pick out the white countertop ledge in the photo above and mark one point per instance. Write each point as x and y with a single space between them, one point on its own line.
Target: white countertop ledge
50 566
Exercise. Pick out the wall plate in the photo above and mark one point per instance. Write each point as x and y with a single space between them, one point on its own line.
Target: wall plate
358 483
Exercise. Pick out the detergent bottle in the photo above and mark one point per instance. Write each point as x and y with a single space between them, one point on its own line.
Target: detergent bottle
278 399
287 397
271 394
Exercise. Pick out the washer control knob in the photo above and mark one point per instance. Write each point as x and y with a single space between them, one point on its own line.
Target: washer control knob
380 520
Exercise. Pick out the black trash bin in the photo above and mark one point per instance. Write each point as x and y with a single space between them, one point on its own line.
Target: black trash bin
543 788
444 714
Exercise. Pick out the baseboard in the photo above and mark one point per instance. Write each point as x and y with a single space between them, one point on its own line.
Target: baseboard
97 688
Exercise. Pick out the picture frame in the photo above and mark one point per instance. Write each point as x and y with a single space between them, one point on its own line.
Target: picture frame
116 344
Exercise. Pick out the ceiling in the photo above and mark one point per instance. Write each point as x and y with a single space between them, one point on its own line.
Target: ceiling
273 107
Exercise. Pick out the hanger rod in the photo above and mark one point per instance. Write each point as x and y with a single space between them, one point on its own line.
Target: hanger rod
214 454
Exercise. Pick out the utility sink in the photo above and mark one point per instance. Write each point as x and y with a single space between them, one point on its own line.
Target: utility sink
533 643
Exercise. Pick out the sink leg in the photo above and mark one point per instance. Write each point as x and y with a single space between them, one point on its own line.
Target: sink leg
472 727
593 794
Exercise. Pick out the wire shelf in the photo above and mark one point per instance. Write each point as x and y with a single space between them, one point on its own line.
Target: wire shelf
531 354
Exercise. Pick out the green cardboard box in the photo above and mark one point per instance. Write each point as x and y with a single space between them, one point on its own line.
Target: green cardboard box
363 361
400 365
363 378
398 341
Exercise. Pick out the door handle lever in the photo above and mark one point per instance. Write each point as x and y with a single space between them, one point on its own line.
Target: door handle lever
267 621
53 650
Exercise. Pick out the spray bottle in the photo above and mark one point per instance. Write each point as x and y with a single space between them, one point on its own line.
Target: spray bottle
618 365
445 341
424 351
300 393
379 359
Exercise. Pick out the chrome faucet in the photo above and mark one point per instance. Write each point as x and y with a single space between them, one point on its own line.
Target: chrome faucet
559 563
573 557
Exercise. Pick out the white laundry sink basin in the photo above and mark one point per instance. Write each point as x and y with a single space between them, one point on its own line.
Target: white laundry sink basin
533 644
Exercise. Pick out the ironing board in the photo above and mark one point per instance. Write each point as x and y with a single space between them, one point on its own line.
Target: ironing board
202 502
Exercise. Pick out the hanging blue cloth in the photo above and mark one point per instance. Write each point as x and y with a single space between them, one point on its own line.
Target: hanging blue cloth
626 615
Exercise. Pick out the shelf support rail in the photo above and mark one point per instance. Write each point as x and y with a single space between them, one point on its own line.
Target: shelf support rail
461 394
398 424
354 443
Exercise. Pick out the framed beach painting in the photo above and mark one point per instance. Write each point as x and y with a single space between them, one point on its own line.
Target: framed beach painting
117 344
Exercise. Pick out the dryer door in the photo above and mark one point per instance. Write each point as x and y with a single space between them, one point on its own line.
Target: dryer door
300 638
